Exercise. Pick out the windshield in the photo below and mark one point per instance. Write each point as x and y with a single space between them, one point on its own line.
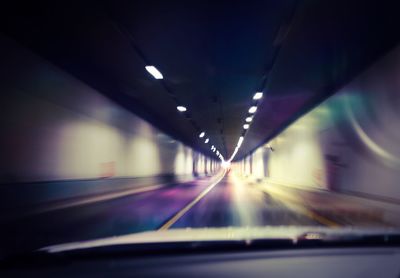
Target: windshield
260 117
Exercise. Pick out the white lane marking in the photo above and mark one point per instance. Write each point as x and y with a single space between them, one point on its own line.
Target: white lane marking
190 205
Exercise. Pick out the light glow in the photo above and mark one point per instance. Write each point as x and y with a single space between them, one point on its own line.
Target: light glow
181 108
258 95
202 134
246 126
154 72
206 140
249 119
226 164
252 109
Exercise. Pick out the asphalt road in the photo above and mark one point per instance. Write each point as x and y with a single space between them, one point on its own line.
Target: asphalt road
129 214
233 203
209 202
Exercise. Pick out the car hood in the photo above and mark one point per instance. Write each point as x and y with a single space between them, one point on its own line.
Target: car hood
225 234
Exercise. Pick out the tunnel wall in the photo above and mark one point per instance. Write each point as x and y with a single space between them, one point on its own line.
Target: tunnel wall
56 130
349 143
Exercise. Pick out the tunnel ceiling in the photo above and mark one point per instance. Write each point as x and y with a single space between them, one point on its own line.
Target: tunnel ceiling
214 56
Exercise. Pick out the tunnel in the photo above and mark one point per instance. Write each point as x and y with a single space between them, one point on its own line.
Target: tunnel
124 117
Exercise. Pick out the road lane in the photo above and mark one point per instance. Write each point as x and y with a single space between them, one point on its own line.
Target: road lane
130 214
235 203
183 211
232 202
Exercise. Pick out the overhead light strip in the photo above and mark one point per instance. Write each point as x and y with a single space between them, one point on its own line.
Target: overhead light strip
154 72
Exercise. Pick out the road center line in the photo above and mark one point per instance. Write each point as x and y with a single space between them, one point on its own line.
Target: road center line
176 217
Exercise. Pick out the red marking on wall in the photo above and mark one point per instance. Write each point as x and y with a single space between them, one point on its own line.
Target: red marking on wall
107 169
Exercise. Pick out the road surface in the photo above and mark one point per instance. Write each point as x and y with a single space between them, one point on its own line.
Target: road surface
224 201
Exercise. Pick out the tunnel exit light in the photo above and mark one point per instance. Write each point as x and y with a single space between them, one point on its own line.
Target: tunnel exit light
253 109
226 164
154 72
258 95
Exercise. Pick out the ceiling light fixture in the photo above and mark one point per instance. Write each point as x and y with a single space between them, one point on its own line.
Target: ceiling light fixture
249 119
201 135
154 72
206 140
246 126
181 108
240 141
258 95
252 109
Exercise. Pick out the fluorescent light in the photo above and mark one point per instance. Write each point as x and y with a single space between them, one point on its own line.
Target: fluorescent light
237 148
206 140
240 141
202 134
181 108
218 153
246 126
154 71
213 150
258 95
249 119
252 109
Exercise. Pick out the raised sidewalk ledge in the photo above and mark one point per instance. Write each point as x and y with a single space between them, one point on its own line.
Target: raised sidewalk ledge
345 208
